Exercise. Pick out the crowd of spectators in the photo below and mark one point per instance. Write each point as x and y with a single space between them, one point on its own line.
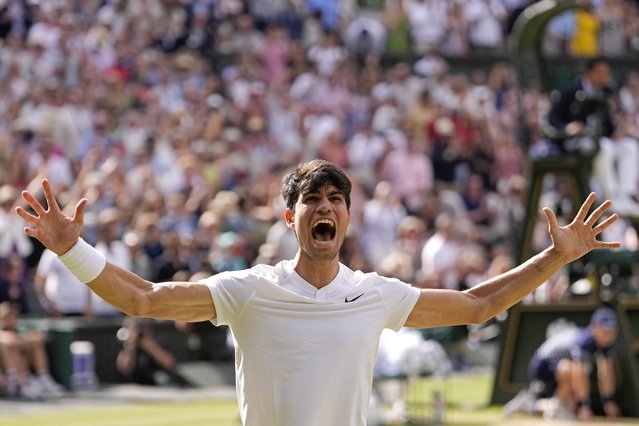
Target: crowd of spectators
181 157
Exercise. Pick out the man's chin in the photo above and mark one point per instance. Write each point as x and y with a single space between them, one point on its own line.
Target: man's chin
323 251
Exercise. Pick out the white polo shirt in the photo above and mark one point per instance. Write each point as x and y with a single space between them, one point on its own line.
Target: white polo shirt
305 356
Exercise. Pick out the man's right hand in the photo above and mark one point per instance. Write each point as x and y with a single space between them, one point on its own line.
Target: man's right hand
50 226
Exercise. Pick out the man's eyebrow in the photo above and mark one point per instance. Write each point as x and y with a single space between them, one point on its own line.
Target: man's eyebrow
317 191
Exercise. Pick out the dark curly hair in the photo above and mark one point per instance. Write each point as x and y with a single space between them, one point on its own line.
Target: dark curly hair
311 176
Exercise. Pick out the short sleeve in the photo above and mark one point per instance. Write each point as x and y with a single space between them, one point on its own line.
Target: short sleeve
400 299
584 347
230 293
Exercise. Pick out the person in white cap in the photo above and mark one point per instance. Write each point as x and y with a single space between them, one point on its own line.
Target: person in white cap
560 368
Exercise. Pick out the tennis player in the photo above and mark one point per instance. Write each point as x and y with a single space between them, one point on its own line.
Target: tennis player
307 329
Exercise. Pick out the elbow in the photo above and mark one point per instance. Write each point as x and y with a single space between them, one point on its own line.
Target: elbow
139 307
482 312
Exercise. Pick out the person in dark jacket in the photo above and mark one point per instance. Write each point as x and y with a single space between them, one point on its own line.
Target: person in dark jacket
581 121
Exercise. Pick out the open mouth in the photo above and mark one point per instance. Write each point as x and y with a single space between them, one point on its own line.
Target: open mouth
323 230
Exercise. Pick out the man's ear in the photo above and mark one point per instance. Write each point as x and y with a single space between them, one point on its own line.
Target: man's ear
289 217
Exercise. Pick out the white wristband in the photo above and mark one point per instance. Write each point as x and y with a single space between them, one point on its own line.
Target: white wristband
84 261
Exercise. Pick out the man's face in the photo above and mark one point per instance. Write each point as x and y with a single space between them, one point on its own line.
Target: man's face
320 221
600 75
604 336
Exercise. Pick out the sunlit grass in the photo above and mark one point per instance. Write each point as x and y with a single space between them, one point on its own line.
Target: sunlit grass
219 413
467 404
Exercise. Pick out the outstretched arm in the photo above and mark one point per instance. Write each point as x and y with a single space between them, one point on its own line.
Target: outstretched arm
124 290
484 301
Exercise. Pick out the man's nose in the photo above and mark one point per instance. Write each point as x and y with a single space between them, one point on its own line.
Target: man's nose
324 204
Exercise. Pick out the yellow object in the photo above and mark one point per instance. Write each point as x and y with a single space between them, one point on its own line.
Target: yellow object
584 41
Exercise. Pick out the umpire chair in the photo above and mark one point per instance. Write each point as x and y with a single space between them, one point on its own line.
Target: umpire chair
521 333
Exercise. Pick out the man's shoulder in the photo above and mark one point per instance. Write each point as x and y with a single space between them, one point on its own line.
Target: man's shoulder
256 272
359 277
585 339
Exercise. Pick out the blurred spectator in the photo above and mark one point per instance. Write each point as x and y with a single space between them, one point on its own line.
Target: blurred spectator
13 241
24 358
273 53
478 208
611 39
398 41
284 118
411 236
59 291
404 86
430 65
418 117
331 11
381 218
171 260
440 254
409 172
631 26
365 150
328 55
245 38
584 41
140 261
560 368
428 23
312 29
230 252
559 33
143 359
13 284
447 149
629 94
457 42
485 28
365 35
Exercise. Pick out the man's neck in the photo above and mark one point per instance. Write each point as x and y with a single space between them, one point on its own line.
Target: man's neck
318 273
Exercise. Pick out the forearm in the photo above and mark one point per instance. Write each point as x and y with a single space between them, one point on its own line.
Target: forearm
606 377
123 289
125 362
503 291
580 382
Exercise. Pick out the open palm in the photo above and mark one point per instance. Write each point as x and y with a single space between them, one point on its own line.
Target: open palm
580 236
55 230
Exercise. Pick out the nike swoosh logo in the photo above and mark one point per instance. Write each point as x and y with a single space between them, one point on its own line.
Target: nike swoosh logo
353 299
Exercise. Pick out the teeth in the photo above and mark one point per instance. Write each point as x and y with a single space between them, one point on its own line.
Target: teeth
326 221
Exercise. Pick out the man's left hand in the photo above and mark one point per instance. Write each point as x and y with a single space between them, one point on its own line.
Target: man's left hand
580 236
